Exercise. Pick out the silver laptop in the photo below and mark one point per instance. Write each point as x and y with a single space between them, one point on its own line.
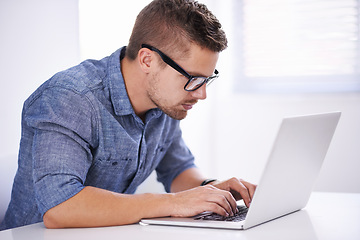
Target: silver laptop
288 177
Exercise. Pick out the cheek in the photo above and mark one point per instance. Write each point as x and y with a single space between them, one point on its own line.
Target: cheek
172 85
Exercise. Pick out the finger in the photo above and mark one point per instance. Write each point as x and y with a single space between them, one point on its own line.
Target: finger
232 201
224 199
251 187
241 188
216 208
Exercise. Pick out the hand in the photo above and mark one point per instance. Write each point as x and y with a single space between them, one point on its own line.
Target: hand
200 199
239 188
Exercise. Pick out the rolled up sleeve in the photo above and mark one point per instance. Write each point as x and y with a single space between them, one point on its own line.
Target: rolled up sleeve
177 159
61 148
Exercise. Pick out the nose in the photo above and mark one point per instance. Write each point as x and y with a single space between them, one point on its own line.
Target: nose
200 93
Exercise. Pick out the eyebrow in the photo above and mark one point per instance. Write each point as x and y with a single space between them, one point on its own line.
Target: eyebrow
194 74
197 74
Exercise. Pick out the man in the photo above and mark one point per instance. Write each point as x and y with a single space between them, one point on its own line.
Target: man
93 133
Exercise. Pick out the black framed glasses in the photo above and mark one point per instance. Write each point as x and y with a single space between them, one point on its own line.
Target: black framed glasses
195 82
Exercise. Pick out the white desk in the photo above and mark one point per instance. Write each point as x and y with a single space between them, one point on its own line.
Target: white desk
316 221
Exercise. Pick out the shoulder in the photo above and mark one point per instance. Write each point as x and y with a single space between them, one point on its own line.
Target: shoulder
75 81
67 96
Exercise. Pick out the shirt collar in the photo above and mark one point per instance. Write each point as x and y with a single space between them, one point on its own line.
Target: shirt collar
118 94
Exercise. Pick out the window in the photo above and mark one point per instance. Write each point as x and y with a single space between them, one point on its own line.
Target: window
298 45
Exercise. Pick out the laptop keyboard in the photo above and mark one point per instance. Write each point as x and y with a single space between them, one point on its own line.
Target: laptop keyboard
240 216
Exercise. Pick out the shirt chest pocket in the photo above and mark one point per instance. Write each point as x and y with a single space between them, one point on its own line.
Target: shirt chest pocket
161 150
113 173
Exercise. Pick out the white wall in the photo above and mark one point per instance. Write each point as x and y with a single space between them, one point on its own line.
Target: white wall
242 128
38 38
232 133
41 37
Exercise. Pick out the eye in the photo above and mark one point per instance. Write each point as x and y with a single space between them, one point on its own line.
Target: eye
196 82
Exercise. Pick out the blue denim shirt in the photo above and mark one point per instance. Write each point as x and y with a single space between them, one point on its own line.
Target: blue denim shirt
79 129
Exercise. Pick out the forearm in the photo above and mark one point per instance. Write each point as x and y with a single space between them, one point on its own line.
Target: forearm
188 179
94 207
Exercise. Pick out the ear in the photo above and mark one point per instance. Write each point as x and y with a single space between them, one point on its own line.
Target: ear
145 59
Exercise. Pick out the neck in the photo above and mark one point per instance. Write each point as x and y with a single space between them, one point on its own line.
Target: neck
135 82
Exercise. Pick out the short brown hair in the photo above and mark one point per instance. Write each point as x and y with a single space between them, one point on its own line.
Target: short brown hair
172 24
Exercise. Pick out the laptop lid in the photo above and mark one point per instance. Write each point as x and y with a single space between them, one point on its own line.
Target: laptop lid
285 186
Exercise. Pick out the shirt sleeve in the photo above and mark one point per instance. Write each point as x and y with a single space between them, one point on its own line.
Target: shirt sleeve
177 159
63 136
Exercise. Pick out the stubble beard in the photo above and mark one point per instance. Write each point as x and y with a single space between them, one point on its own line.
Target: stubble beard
172 111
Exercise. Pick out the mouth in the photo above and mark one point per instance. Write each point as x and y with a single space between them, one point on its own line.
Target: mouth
187 106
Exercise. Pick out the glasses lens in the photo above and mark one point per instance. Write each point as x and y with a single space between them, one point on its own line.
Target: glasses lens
195 83
210 80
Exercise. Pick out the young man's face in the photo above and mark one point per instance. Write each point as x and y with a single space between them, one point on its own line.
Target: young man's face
166 85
